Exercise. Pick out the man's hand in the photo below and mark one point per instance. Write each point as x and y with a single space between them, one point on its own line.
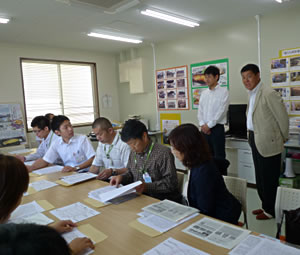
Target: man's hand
205 129
105 174
141 188
116 180
64 226
68 169
78 245
22 158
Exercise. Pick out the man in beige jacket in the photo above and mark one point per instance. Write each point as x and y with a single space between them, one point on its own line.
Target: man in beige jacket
268 125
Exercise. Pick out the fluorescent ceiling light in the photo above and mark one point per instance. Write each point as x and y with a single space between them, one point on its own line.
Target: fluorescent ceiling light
168 17
116 38
279 1
4 20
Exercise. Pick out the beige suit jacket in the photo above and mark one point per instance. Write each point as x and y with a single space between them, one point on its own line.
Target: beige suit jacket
270 122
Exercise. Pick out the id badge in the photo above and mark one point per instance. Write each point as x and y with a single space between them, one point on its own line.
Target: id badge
147 178
79 157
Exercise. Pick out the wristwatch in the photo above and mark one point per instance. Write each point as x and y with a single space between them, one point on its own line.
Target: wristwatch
114 172
77 168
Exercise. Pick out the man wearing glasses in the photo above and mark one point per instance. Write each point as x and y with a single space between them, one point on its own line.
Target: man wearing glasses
41 128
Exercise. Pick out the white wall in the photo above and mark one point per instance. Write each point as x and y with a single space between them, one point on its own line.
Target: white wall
10 74
237 41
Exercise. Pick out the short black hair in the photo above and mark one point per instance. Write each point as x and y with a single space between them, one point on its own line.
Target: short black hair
102 122
57 121
189 141
250 67
41 122
31 239
133 129
212 70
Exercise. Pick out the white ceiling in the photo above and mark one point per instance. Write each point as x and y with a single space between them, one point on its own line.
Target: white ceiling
63 23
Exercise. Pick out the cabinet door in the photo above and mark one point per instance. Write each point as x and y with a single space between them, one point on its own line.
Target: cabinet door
245 166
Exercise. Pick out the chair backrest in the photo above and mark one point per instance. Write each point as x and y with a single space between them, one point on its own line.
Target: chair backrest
286 199
180 178
238 188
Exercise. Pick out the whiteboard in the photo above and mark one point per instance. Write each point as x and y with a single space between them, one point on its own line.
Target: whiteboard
12 129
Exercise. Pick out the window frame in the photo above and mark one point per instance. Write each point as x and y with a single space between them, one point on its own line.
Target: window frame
53 61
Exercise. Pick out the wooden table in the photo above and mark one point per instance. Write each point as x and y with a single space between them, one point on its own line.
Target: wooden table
113 220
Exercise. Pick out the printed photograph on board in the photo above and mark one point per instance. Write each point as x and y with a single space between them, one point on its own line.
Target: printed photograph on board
280 79
295 78
295 63
279 65
284 93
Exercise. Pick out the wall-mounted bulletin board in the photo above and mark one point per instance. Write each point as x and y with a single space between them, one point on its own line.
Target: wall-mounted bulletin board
198 79
172 88
285 78
12 131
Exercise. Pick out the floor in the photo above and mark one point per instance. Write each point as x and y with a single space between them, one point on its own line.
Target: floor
267 227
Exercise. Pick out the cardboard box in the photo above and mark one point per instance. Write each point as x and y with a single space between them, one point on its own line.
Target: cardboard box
290 182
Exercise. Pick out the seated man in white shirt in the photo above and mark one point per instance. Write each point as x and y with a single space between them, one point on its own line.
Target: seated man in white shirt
75 151
112 153
41 128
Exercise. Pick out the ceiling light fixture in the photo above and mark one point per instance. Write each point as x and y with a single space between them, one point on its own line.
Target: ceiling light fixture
116 38
171 18
279 1
4 20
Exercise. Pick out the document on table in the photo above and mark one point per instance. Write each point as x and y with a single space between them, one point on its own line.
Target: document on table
27 210
76 178
22 151
173 247
170 210
160 224
43 184
48 170
38 218
254 245
29 163
117 192
75 212
217 233
75 233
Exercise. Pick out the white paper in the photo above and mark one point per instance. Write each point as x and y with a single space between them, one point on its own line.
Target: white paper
76 178
43 184
173 247
48 170
217 233
29 163
254 245
160 224
119 191
75 233
170 210
75 212
27 210
38 218
20 151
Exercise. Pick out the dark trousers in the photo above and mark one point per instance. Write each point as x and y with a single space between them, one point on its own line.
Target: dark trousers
267 172
216 141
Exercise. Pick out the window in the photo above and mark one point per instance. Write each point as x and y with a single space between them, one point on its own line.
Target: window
60 88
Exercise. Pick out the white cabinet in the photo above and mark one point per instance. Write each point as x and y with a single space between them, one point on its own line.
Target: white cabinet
133 72
245 166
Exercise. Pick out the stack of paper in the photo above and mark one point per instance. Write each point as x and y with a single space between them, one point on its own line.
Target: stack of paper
165 215
42 184
76 178
48 170
217 232
30 213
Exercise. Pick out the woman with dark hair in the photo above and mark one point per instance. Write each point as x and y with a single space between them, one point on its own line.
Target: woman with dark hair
206 188
14 180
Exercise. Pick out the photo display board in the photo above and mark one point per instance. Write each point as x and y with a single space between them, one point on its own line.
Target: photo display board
198 83
172 88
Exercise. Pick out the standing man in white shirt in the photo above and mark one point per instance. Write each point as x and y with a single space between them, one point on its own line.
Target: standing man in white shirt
76 151
41 128
112 153
213 106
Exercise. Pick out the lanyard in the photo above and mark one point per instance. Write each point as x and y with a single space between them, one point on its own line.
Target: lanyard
143 170
110 148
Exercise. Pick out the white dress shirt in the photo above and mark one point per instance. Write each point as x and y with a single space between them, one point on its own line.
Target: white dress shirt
74 153
113 155
252 96
213 106
43 147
